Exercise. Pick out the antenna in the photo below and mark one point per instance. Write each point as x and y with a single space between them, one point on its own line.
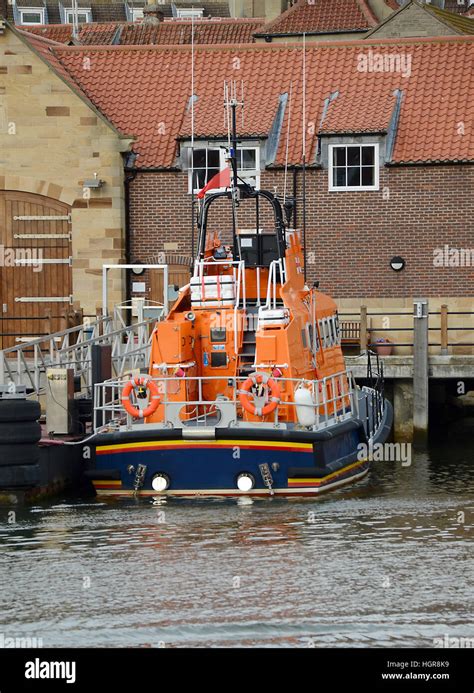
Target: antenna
304 154
193 200
231 102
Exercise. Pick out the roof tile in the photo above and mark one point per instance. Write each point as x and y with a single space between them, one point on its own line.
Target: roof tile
321 16
145 91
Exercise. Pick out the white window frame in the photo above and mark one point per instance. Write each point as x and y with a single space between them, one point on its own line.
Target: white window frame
69 15
353 188
189 12
31 10
136 13
243 173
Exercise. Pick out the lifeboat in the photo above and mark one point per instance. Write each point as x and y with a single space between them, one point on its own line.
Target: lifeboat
247 392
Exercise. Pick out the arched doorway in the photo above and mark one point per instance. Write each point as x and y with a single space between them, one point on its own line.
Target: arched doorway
35 266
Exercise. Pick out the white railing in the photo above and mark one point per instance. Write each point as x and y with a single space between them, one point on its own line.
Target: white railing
335 399
238 273
276 268
26 364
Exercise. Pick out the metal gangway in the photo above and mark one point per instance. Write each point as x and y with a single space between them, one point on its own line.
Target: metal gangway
26 364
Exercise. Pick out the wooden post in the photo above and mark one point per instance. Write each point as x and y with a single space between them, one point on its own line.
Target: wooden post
444 329
420 370
363 329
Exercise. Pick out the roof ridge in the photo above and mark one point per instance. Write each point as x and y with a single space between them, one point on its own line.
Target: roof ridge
368 12
38 37
254 47
291 10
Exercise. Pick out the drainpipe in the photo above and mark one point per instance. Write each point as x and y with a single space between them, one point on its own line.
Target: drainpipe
295 175
126 184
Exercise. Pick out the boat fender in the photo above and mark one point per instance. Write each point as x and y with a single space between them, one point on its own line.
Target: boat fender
154 397
259 380
305 410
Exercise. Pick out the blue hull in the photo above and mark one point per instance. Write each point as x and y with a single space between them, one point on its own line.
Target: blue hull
293 463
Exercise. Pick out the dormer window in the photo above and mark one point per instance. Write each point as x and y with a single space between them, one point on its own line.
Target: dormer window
84 16
29 16
206 161
189 12
353 167
134 13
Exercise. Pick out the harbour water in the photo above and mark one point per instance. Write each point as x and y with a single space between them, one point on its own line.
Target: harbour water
385 563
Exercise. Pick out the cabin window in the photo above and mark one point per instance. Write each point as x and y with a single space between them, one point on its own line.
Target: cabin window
29 16
219 359
311 337
323 328
353 167
83 16
338 328
206 162
304 338
332 331
218 334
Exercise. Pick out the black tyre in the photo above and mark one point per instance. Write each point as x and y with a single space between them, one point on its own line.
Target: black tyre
21 476
21 432
19 410
11 455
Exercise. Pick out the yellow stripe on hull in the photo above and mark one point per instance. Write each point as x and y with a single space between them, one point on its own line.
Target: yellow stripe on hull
203 443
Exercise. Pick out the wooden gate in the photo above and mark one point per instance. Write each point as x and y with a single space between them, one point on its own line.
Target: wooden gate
35 266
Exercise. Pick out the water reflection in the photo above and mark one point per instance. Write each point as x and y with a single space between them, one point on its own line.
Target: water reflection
386 562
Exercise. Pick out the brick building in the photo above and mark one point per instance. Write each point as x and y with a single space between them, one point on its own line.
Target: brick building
389 153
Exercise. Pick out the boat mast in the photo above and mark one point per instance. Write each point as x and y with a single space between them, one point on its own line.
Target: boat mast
230 103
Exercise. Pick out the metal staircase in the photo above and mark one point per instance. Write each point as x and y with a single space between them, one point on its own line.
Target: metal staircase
247 355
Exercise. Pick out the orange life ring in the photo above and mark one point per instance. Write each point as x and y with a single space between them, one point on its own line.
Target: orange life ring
154 397
259 379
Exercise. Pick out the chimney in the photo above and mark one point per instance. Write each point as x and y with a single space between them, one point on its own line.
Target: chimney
152 14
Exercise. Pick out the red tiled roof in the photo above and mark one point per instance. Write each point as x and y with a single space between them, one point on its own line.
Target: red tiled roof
97 34
174 32
179 32
355 113
61 33
393 4
145 91
321 16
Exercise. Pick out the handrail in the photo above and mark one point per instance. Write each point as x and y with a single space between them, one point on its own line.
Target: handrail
272 283
337 392
27 363
441 326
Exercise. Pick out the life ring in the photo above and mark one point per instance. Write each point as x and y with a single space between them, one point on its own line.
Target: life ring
259 379
154 397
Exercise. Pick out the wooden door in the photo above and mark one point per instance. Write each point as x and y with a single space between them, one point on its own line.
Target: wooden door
178 275
35 271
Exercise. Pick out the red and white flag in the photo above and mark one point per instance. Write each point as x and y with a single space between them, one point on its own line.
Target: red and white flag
220 180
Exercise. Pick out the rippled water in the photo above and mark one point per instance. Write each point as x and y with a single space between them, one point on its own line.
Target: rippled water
385 563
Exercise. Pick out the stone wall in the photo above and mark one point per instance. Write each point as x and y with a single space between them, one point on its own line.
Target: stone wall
50 141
